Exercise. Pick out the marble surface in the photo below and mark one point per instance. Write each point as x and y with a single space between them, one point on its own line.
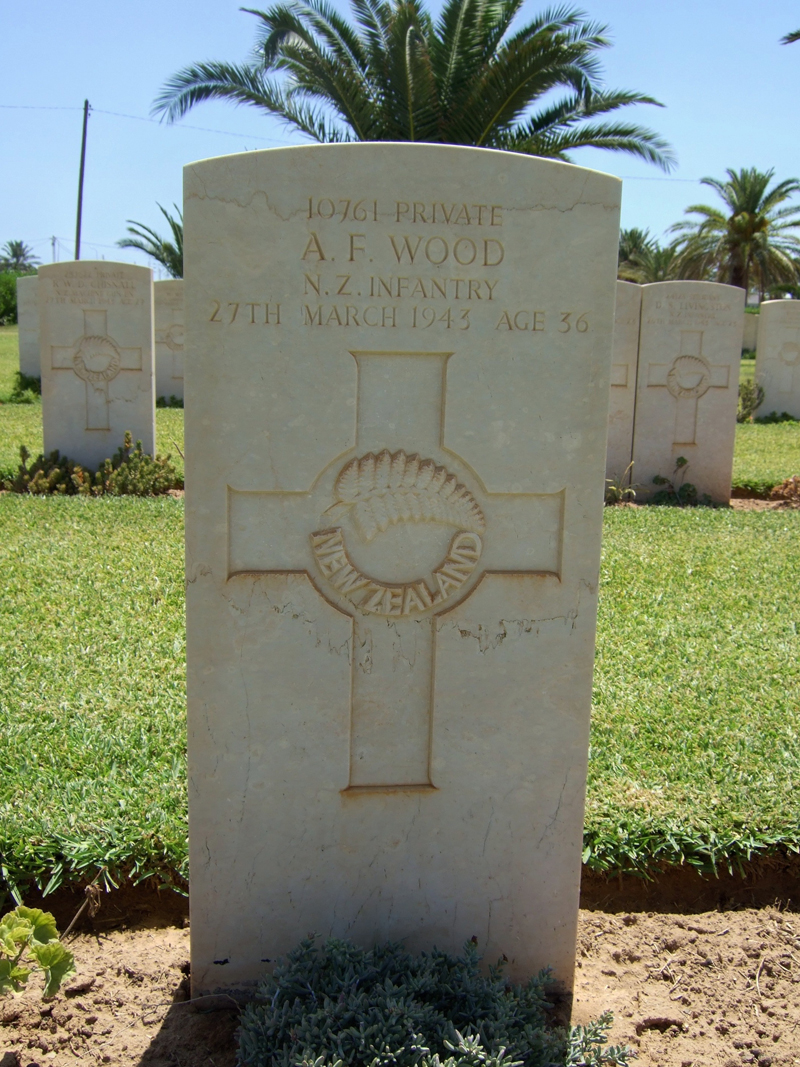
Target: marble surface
168 305
622 395
28 319
690 346
778 359
396 414
96 323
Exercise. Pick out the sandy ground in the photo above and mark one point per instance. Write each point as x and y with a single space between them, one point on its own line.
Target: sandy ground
719 988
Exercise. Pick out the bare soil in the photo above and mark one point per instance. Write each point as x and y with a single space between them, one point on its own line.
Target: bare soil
693 976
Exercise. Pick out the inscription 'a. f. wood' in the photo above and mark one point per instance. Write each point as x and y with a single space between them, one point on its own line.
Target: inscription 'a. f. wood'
356 534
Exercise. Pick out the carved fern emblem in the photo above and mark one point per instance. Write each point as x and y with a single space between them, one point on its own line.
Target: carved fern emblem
387 488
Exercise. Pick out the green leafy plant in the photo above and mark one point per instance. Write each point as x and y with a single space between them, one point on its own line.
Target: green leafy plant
774 417
677 492
29 942
751 397
131 472
169 402
339 1004
25 390
617 492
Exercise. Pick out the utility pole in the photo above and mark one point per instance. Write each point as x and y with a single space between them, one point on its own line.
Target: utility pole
80 180
53 246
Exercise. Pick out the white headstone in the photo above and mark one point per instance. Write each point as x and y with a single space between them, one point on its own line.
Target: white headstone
395 430
168 302
778 359
622 398
96 322
28 319
690 346
750 338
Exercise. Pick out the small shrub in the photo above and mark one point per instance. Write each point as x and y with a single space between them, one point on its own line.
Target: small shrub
339 1004
677 492
131 472
751 397
171 402
8 295
29 942
788 492
775 417
26 389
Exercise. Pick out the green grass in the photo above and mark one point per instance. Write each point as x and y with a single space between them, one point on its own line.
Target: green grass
696 735
9 359
765 455
696 731
92 693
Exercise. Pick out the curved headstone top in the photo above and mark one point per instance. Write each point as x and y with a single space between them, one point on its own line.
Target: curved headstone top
396 411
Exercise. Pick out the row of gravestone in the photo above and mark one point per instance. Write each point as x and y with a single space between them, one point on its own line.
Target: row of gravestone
105 341
395 443
674 386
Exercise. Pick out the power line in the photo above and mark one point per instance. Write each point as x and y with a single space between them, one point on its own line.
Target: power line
144 118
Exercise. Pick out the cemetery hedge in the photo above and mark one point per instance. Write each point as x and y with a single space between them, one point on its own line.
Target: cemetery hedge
696 737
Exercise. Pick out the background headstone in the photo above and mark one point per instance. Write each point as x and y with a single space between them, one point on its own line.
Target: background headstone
750 336
28 319
778 358
96 323
690 344
622 396
168 303
395 438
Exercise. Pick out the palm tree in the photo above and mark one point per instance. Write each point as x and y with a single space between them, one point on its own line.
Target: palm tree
746 243
168 253
17 256
396 74
652 263
790 38
631 242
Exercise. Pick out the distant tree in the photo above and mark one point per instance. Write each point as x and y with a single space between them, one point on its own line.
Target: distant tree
168 253
16 255
747 242
631 241
652 263
397 74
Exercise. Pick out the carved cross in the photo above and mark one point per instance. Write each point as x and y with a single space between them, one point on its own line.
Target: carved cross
788 373
395 533
97 359
172 337
688 378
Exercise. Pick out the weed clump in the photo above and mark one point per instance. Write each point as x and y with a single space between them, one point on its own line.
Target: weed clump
788 492
130 472
338 1004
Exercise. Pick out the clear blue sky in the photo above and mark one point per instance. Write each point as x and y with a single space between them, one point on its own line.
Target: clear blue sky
729 87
